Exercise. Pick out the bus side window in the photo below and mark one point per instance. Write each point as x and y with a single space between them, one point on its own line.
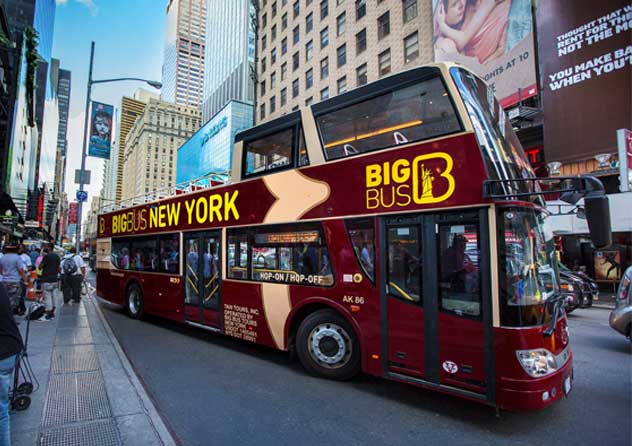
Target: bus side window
237 255
272 152
362 235
169 253
303 157
120 253
405 114
143 254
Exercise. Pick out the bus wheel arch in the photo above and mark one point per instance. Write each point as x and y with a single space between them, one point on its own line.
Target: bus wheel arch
326 341
134 301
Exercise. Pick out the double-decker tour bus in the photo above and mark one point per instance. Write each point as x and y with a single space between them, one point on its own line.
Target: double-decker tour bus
396 229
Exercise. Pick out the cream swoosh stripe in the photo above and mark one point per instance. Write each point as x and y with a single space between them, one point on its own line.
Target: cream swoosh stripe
296 194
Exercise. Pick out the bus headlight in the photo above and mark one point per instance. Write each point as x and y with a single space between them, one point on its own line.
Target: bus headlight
538 362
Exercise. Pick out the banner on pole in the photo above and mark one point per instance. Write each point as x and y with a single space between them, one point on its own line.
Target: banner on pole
73 212
100 130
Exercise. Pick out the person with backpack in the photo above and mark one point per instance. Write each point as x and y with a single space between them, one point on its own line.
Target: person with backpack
49 269
73 270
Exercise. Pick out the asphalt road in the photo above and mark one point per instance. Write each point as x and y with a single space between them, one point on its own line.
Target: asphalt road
212 389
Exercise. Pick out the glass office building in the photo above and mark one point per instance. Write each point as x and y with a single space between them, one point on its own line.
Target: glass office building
230 55
209 150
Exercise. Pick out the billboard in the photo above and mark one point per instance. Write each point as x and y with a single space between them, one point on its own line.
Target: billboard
494 39
585 52
607 265
73 211
100 130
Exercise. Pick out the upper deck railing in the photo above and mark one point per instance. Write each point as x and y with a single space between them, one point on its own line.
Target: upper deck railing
201 183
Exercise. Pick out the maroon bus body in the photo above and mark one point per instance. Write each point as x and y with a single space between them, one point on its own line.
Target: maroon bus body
515 389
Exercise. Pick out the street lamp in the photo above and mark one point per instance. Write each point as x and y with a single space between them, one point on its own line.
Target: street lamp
91 82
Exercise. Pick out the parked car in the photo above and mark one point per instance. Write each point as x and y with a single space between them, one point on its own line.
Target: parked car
621 316
571 288
590 289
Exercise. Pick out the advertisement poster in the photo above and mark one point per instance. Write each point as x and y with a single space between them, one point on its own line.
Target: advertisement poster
100 130
585 51
72 212
492 38
607 265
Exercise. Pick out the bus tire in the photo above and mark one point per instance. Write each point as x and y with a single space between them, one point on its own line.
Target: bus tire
327 346
134 302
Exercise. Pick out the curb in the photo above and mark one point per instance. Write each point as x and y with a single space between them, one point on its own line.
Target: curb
154 417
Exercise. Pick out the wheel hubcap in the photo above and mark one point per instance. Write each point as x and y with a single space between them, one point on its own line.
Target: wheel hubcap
330 345
134 302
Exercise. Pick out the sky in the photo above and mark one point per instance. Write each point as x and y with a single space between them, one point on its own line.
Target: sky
129 42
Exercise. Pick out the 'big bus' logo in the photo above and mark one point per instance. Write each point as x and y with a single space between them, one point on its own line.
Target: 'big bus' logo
402 182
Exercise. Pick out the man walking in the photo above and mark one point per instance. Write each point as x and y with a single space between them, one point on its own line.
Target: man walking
49 278
10 345
13 275
73 270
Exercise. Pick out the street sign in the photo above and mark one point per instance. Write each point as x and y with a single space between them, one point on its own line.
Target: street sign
86 176
82 195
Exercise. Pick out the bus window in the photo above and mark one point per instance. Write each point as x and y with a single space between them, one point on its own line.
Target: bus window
303 157
272 152
169 253
404 260
295 254
459 271
362 235
143 254
237 255
120 253
413 113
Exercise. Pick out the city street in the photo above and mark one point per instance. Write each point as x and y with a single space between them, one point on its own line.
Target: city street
211 388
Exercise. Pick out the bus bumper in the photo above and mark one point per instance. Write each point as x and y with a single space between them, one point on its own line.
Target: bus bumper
535 393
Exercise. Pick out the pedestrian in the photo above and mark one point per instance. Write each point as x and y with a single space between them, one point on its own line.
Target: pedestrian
13 276
73 270
49 267
29 267
10 345
35 252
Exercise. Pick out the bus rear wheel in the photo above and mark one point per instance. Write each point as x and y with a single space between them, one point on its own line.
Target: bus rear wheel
134 302
327 346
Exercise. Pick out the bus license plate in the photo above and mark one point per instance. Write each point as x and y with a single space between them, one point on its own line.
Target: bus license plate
567 385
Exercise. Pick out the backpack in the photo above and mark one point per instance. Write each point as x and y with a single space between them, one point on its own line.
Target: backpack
69 267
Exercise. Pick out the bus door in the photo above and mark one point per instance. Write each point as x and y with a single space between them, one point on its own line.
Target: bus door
435 273
202 280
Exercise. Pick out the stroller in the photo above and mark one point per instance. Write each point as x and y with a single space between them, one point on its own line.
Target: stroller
23 376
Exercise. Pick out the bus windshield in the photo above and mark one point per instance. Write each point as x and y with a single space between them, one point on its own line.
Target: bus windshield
527 265
501 150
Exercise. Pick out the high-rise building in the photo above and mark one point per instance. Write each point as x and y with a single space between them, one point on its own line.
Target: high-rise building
183 66
131 109
63 103
230 55
33 32
149 161
310 51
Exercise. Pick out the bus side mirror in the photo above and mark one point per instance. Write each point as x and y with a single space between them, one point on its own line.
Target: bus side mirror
597 211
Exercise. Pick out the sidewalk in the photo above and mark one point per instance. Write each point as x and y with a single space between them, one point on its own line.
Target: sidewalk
89 393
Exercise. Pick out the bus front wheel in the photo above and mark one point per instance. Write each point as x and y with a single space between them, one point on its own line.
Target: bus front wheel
327 346
134 301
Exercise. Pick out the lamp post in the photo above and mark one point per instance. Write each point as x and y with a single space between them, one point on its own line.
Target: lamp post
91 82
